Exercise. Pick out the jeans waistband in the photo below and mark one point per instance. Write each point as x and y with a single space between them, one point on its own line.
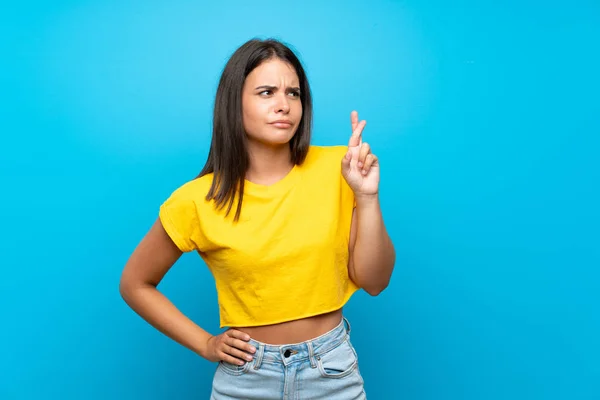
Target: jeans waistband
297 352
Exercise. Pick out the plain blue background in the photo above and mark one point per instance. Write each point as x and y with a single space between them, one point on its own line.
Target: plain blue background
485 116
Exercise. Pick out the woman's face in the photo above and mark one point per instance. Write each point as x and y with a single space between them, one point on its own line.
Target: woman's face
271 93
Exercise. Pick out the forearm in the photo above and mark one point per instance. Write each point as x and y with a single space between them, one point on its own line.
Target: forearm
373 256
154 307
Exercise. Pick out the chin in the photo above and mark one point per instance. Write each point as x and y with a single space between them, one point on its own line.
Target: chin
276 139
273 137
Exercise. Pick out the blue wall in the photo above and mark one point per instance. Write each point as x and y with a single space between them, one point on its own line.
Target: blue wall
485 116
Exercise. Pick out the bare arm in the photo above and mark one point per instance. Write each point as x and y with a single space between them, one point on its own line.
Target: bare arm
146 267
372 254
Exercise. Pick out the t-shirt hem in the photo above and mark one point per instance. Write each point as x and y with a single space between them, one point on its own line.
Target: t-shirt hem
223 324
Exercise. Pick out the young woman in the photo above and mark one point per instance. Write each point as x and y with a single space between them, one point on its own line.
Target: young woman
289 231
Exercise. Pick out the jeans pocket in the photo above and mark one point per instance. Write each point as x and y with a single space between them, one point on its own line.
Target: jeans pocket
338 362
233 369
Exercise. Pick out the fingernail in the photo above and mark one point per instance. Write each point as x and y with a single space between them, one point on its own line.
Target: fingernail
360 164
249 358
240 362
364 171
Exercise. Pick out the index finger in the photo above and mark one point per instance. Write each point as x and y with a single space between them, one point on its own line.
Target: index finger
356 138
354 119
234 333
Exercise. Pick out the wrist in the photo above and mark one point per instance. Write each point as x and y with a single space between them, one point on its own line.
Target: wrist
366 199
204 346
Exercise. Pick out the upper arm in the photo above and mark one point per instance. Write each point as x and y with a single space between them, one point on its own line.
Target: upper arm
351 244
152 258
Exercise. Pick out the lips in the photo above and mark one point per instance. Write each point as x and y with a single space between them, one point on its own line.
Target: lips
282 124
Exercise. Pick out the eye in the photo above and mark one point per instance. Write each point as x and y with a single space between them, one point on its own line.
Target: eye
267 92
295 93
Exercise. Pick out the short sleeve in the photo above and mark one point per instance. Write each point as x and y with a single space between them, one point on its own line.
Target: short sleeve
179 217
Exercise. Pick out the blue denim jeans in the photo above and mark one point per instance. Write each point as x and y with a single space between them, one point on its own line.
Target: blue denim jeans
322 368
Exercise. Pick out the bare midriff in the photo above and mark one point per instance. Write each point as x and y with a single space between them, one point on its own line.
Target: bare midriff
296 331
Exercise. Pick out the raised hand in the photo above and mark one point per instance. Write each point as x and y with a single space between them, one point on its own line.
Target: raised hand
360 167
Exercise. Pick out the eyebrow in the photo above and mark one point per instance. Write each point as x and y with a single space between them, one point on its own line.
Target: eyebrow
267 87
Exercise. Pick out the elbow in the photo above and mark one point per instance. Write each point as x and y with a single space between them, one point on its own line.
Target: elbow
128 286
373 274
372 287
373 292
124 288
375 289
373 284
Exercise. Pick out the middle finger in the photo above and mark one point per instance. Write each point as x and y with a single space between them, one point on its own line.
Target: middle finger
365 149
237 353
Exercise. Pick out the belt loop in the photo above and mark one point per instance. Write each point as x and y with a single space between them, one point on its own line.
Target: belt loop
259 356
311 354
349 328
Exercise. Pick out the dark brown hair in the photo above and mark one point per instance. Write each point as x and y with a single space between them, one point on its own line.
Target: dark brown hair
228 156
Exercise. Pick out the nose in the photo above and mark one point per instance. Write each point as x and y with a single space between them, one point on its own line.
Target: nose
283 104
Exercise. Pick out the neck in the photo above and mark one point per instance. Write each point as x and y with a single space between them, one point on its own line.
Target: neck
268 164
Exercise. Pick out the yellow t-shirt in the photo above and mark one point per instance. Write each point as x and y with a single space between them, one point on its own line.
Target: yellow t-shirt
287 256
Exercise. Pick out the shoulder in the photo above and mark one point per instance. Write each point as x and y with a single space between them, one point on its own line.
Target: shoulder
323 164
325 154
194 190
179 213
